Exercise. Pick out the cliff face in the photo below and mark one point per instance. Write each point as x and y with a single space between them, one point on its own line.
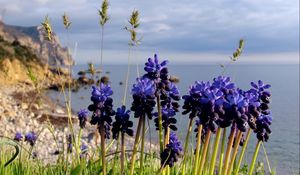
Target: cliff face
33 37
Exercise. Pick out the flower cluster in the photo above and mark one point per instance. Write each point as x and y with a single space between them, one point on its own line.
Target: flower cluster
31 138
221 104
155 70
82 117
172 151
102 107
143 93
260 111
169 102
18 137
122 123
165 89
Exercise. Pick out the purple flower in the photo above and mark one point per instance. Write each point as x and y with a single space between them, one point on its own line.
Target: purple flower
235 99
82 117
154 69
122 123
102 107
263 129
260 86
172 151
31 138
100 94
168 119
143 93
18 137
223 83
144 87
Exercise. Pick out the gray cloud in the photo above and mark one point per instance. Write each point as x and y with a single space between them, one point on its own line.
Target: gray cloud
270 26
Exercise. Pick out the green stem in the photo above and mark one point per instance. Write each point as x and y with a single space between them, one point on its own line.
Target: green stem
101 56
243 152
161 144
116 156
186 144
267 159
228 151
216 148
122 153
127 77
254 157
205 148
197 156
222 151
167 138
235 150
102 132
137 136
142 147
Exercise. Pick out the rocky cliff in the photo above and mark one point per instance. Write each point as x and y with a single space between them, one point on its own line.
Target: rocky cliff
33 37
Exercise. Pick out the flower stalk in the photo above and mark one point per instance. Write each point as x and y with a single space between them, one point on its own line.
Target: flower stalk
222 151
160 131
204 153
197 154
228 151
254 157
186 144
136 141
243 152
235 151
142 147
216 148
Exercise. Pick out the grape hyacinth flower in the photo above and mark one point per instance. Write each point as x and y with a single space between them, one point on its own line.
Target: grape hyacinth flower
172 151
18 137
235 106
156 70
122 123
223 83
102 107
169 102
263 129
192 103
82 117
84 150
31 138
143 98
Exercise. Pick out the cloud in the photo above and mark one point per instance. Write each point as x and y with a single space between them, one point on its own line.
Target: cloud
269 27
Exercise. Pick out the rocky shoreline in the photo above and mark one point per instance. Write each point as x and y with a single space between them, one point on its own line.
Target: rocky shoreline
19 114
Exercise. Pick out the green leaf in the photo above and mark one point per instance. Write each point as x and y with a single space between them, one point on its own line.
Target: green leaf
77 170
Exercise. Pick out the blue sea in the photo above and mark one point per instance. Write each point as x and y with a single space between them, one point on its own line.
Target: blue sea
283 146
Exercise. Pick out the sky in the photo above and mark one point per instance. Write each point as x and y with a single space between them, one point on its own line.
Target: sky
185 31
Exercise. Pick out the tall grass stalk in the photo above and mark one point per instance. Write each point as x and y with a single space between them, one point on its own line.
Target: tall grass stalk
186 144
215 151
160 131
222 151
102 135
243 152
197 154
235 150
254 157
142 147
122 153
135 147
204 153
228 151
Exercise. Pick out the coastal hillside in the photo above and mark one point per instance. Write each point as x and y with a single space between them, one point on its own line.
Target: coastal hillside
23 49
33 37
